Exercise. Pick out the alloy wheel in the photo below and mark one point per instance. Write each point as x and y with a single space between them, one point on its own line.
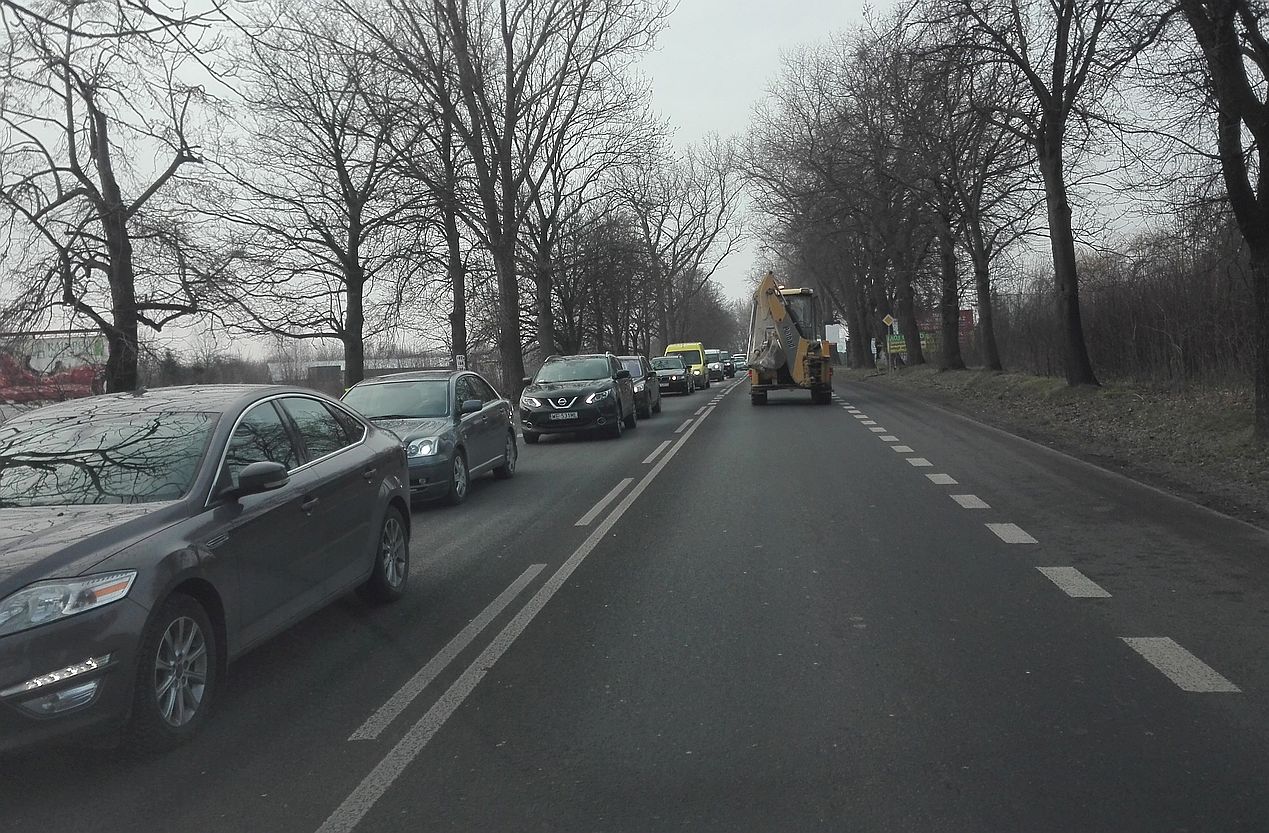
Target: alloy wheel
392 551
180 671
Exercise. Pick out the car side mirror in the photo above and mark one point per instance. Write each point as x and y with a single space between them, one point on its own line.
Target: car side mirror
471 406
622 374
262 476
527 380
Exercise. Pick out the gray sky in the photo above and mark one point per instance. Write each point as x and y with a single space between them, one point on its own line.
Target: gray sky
717 59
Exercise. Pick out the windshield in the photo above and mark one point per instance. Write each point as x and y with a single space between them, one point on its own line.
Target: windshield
668 363
126 458
713 356
574 370
690 357
416 399
634 366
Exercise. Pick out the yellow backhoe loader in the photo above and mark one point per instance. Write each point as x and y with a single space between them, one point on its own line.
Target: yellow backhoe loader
787 350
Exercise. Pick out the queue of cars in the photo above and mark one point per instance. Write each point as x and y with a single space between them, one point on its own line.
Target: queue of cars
148 539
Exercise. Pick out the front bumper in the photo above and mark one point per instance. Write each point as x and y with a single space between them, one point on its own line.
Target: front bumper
114 630
595 417
716 375
668 386
430 476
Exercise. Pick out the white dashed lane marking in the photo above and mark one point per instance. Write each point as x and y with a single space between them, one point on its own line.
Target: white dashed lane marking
942 479
877 429
860 416
657 451
868 422
970 501
683 427
919 462
901 449
698 410
1074 583
1012 534
890 438
1180 666
603 502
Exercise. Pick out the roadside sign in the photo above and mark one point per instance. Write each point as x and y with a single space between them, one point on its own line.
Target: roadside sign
888 320
897 344
460 362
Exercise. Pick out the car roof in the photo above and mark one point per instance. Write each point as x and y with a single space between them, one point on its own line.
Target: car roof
412 376
180 398
635 358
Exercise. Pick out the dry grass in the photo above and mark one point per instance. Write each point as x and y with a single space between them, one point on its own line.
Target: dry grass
1195 443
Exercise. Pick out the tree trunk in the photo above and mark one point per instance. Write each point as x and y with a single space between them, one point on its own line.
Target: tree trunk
906 302
354 330
1260 318
456 272
1078 366
543 305
986 317
859 336
510 352
949 303
121 338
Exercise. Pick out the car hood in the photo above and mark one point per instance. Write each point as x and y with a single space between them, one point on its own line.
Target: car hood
671 372
549 390
58 541
413 429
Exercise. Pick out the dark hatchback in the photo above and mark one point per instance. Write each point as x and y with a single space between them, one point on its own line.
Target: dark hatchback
578 393
148 539
673 376
453 424
647 390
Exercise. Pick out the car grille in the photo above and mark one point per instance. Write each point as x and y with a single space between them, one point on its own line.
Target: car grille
559 403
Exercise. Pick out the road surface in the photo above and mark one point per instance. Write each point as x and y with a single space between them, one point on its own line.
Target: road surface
874 616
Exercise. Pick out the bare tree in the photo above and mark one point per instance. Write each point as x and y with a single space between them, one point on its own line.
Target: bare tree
88 85
1235 57
327 228
1071 53
523 72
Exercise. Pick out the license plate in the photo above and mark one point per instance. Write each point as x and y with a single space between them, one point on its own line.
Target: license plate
665 384
564 415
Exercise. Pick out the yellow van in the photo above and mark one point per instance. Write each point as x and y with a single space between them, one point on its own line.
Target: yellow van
693 355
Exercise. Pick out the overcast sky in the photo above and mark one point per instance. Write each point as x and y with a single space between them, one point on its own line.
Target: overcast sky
717 59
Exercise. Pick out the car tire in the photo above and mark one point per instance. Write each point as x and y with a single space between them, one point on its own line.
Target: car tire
391 569
166 684
459 479
615 427
532 437
509 456
632 418
645 412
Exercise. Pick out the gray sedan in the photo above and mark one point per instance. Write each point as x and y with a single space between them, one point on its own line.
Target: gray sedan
452 423
148 539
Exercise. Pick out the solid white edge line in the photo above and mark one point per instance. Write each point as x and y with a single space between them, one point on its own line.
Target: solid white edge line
585 520
1074 583
657 451
413 687
1180 666
686 423
353 809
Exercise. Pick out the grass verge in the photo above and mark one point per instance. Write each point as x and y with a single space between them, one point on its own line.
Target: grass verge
1196 443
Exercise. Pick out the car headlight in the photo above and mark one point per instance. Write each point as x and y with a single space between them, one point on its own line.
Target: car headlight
696 371
675 378
530 402
48 601
599 395
425 447
639 386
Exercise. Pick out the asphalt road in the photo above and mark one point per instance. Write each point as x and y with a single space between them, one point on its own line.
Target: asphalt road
782 619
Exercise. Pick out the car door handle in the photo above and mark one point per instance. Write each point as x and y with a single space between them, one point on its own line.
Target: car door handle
369 473
308 504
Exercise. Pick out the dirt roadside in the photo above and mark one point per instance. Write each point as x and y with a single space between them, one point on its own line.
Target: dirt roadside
1196 444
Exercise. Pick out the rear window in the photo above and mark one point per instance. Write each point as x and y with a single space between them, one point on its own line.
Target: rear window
668 363
634 366
126 458
689 357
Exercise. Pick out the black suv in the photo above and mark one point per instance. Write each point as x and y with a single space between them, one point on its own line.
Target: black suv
578 393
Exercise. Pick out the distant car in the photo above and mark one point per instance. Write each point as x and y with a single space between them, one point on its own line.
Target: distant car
673 376
577 394
147 539
741 362
729 366
452 423
714 363
647 389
